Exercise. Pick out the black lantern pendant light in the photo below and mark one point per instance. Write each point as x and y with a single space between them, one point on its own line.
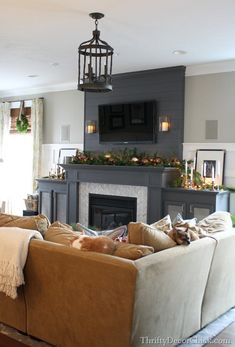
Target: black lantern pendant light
95 59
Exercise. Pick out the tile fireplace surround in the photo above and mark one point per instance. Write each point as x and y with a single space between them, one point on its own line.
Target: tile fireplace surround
144 183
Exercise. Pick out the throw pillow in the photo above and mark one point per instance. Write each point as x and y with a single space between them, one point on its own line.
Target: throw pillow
39 222
130 251
215 222
61 233
163 224
86 231
179 220
61 225
144 234
113 234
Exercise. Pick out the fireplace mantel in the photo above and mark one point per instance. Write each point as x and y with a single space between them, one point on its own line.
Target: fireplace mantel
126 175
154 178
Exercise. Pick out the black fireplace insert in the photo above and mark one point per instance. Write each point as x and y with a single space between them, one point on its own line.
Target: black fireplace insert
109 211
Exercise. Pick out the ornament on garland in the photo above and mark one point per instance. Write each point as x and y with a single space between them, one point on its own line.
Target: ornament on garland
22 123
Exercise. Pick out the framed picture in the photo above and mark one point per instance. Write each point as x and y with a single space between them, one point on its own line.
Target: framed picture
210 164
65 152
137 115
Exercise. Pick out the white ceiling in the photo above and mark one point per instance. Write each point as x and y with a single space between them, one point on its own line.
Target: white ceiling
35 34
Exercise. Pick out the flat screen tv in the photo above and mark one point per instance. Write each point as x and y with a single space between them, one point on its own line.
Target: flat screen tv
128 123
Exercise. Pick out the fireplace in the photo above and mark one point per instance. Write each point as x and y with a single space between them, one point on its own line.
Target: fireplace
143 183
109 211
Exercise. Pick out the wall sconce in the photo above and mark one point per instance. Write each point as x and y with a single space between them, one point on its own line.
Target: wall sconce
90 127
164 123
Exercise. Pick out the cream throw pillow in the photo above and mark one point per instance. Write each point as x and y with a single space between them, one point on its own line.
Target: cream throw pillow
215 222
163 224
144 234
179 220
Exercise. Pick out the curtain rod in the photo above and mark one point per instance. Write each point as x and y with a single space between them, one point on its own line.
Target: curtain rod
22 100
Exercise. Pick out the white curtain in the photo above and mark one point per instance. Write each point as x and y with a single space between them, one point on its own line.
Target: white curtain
37 132
5 112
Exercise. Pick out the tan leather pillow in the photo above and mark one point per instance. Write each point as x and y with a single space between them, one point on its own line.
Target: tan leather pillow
130 251
61 225
61 233
39 222
144 234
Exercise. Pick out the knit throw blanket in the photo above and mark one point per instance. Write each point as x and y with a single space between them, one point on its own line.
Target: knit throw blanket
14 244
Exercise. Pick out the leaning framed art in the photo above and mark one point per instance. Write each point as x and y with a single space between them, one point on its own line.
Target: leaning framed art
210 164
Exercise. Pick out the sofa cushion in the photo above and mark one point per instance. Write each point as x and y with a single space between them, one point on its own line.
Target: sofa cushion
61 233
113 234
39 222
144 234
130 251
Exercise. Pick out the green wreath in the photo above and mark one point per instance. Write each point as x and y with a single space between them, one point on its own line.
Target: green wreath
22 124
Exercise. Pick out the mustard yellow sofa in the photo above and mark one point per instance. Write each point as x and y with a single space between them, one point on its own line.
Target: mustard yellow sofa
78 299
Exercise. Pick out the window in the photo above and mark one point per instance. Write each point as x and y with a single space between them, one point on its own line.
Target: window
15 114
18 164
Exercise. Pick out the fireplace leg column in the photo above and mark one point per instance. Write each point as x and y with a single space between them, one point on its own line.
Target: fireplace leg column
154 209
73 202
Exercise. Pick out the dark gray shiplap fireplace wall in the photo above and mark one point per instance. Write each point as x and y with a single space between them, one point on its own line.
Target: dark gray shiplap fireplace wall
166 86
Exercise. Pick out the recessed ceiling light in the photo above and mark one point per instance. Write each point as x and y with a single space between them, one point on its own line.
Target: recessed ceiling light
32 76
179 52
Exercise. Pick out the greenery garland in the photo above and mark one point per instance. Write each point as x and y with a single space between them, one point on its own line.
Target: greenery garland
22 124
126 157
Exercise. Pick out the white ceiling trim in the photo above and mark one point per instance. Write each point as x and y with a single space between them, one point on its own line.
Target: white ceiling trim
211 68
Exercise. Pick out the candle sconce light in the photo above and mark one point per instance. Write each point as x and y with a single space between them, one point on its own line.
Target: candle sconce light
164 123
91 127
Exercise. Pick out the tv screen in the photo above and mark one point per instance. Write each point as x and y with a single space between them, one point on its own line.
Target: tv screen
128 123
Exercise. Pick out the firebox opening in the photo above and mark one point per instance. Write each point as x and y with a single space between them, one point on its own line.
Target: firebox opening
109 211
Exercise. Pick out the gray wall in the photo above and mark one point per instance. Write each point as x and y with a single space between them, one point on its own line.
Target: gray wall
166 86
210 97
64 108
60 108
207 97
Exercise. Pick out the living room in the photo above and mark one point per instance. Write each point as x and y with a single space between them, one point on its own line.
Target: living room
176 56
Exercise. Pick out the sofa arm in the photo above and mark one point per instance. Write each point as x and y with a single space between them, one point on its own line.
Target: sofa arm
220 290
169 293
77 298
